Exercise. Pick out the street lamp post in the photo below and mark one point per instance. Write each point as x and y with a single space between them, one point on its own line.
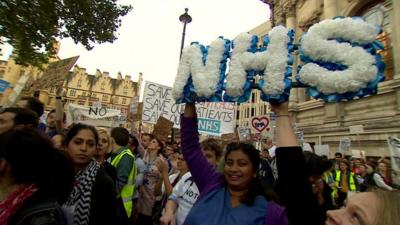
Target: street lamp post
185 19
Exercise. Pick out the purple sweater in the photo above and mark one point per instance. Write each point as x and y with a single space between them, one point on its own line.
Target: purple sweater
205 175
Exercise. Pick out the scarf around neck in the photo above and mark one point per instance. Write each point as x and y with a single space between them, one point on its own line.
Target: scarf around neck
14 201
81 193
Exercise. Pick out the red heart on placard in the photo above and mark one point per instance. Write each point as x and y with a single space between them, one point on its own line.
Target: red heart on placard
260 123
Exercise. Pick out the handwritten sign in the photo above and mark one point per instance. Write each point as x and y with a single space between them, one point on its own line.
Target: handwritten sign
344 144
158 102
95 116
261 125
214 118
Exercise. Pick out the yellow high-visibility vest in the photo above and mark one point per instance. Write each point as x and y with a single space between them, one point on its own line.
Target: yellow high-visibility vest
129 188
352 184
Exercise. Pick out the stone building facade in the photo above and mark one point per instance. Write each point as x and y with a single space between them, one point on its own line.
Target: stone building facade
79 87
377 117
85 89
12 72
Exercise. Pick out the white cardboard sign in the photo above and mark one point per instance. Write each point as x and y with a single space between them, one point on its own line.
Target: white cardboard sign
214 118
95 116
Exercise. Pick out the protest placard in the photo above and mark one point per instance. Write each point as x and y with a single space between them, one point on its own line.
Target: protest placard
158 102
344 144
359 154
262 126
162 129
95 116
244 133
55 73
394 151
227 138
214 118
322 150
134 104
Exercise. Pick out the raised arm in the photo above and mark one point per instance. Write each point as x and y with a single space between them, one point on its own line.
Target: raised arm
163 168
59 110
204 174
293 188
285 136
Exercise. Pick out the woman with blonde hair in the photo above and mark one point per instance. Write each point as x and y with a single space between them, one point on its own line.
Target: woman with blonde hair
103 150
378 207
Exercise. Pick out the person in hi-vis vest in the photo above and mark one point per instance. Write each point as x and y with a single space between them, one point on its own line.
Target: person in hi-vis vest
124 162
345 182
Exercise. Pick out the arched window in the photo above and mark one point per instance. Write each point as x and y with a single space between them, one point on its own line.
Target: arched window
379 15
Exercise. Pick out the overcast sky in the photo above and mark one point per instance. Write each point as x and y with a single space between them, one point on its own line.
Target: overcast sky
150 36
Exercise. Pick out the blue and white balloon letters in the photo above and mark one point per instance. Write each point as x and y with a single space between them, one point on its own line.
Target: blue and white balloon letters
339 55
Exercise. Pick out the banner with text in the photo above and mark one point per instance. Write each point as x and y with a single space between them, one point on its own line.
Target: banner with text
215 118
94 115
394 150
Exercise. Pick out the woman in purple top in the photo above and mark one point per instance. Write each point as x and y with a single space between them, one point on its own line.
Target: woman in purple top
233 197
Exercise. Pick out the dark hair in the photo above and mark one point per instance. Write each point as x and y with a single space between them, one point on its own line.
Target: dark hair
339 154
315 165
346 162
151 136
23 116
120 135
64 115
160 143
33 160
134 142
34 104
213 145
254 156
74 130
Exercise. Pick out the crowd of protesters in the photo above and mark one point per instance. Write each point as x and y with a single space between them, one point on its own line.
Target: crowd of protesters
83 175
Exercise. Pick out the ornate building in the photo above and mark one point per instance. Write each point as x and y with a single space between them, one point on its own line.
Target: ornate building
375 117
84 89
79 87
12 73
254 106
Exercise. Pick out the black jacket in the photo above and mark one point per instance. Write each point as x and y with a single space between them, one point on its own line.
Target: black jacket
294 190
39 210
103 207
